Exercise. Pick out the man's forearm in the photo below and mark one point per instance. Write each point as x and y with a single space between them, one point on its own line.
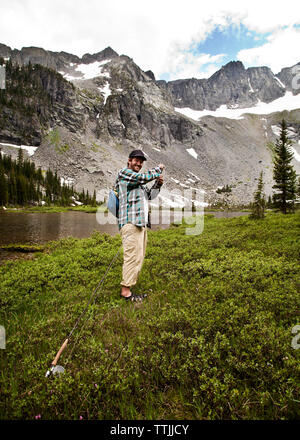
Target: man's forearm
132 177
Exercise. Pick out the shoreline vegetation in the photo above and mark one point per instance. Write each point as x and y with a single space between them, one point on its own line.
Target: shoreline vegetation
102 207
54 208
212 341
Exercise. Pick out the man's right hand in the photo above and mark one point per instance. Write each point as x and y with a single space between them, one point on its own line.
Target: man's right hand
160 180
161 166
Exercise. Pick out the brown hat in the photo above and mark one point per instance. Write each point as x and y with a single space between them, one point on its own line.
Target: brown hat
137 153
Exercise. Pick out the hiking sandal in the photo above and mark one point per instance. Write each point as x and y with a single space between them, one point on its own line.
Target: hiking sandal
134 297
139 297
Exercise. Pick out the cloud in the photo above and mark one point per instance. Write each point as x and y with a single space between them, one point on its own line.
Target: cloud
181 64
148 32
281 50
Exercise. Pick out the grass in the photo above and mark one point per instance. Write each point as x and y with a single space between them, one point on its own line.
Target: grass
212 341
22 248
54 208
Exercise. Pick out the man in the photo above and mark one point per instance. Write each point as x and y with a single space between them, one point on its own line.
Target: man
133 216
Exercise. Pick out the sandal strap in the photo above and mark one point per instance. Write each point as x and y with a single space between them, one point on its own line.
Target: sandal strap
134 297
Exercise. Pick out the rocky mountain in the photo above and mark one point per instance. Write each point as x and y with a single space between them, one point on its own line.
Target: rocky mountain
86 114
289 76
232 85
53 60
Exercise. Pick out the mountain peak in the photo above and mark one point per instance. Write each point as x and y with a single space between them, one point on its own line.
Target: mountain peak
234 66
108 52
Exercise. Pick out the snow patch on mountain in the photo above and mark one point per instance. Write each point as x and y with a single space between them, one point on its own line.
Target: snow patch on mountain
282 85
105 91
296 154
30 149
194 175
88 71
287 102
250 86
192 152
66 181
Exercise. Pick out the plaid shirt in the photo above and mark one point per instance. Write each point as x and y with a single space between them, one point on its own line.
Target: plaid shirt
133 196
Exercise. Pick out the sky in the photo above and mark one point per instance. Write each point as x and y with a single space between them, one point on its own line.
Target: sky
175 39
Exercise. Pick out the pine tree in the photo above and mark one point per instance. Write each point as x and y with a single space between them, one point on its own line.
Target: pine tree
298 188
94 202
259 204
22 190
20 157
12 185
284 173
269 202
3 187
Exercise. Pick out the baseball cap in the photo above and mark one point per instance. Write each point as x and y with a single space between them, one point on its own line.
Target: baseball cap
137 153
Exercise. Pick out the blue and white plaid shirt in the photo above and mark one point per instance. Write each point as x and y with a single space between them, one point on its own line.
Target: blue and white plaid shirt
133 196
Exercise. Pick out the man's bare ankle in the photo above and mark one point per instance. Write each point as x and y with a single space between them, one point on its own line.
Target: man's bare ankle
125 291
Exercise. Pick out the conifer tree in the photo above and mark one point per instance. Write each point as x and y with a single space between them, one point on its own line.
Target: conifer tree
22 191
12 185
298 188
284 173
259 204
20 157
269 202
94 202
3 187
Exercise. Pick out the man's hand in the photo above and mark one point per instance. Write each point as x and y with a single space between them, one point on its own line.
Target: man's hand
161 166
160 180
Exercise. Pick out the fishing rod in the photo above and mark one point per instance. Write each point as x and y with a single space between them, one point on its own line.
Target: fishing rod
58 369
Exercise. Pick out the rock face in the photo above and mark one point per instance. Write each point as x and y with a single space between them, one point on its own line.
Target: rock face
86 115
290 77
232 85
43 99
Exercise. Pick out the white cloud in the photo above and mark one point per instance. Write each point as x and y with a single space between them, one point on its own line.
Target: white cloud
284 42
146 31
180 64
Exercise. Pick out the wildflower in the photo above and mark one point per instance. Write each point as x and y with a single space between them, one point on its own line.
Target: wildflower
80 418
95 385
38 416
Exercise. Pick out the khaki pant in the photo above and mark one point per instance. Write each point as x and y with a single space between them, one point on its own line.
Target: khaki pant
134 239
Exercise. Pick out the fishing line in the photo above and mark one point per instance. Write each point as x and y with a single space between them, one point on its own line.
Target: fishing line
57 369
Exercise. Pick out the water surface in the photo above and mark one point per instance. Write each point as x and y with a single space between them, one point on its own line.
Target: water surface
39 228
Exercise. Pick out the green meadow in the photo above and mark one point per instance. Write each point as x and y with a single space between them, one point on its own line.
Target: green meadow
212 341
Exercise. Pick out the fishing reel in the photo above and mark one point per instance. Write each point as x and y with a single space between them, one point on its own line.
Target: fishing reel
55 370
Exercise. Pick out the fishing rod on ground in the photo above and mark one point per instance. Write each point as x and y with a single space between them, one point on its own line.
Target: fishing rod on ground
58 369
